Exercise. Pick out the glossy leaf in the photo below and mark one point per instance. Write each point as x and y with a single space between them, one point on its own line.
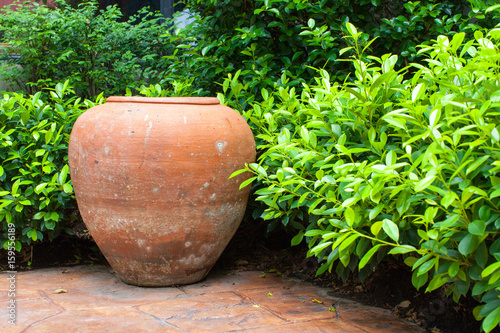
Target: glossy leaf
391 229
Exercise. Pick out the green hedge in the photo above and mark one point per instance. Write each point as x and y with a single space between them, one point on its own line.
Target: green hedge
36 196
94 49
387 166
267 38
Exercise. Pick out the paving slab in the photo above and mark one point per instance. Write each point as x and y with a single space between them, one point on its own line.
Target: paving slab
28 311
93 299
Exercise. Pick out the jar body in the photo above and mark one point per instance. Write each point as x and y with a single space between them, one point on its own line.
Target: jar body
151 178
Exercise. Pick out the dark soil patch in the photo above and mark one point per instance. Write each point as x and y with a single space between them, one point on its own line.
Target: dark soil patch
388 287
65 250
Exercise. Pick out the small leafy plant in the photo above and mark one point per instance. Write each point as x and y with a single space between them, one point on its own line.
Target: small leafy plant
381 165
36 195
93 48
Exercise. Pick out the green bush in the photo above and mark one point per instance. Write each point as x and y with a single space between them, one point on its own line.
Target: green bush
385 165
265 39
36 196
94 49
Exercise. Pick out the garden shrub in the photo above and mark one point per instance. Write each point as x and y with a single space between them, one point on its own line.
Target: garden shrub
265 39
383 166
93 48
36 195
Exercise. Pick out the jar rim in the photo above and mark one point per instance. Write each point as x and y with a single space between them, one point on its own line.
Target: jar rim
164 100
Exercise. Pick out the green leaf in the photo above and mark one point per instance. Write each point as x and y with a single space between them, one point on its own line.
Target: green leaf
391 229
303 197
457 41
63 174
54 216
492 302
311 23
351 28
313 232
402 250
424 183
420 261
495 194
15 187
477 227
320 247
419 280
25 117
350 216
347 242
32 234
476 164
482 254
50 225
426 266
434 117
376 227
492 8
247 182
495 134
375 211
39 188
48 136
453 269
494 277
410 261
390 158
280 175
36 97
448 199
436 282
67 188
490 269
491 321
315 204
418 92
259 169
350 201
38 215
297 239
366 258
467 244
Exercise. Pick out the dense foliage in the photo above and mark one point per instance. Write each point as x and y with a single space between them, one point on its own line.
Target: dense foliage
36 195
267 38
95 50
386 166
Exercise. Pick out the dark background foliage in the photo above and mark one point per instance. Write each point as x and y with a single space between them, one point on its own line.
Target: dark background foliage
266 39
93 48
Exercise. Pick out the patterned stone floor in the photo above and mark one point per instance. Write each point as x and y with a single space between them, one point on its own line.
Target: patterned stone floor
93 299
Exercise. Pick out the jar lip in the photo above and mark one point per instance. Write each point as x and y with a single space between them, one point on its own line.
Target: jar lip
164 100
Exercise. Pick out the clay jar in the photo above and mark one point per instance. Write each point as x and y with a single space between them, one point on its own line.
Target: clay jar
151 178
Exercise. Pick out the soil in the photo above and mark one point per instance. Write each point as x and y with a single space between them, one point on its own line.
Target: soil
251 248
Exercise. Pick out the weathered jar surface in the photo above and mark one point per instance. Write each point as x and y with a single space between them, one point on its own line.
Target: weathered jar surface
151 178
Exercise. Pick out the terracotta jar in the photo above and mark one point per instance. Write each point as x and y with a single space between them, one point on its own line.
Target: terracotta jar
151 181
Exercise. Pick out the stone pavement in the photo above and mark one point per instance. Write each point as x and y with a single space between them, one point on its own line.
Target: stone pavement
93 299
